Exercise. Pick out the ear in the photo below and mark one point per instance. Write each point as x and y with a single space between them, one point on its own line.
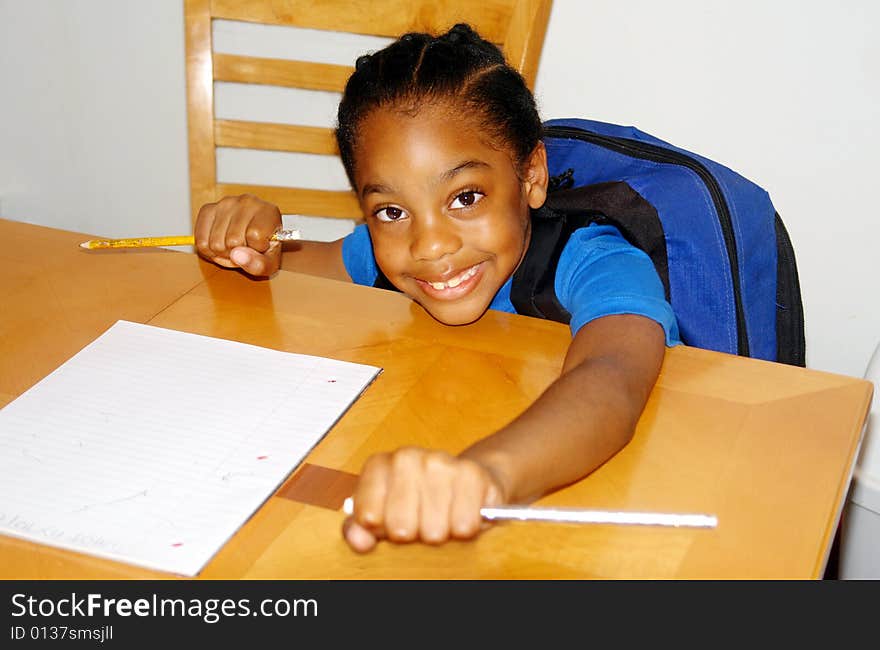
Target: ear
536 176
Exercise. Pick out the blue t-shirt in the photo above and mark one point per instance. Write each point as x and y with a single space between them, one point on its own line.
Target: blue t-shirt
599 274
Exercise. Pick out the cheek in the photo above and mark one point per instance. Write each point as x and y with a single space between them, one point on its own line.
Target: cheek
510 241
387 253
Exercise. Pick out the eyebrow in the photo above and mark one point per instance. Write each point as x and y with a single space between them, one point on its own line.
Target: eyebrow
378 188
467 164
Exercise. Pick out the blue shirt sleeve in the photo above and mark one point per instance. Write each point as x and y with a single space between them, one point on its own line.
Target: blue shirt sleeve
601 274
357 255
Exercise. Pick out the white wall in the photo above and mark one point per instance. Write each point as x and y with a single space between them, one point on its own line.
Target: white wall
786 92
93 115
93 138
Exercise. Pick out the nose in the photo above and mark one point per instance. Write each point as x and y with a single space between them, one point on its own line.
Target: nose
434 237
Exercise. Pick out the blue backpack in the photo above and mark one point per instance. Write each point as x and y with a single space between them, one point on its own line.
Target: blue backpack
717 242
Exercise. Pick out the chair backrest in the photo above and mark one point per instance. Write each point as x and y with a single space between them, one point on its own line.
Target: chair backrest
517 26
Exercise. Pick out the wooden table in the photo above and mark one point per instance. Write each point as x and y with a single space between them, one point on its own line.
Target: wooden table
766 447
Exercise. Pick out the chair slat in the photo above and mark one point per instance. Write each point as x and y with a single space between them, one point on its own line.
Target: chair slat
375 18
321 203
281 72
274 137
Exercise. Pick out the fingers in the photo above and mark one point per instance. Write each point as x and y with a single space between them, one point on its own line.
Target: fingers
365 527
420 495
402 501
372 488
436 498
471 490
236 232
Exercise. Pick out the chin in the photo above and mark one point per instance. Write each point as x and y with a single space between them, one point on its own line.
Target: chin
456 321
455 317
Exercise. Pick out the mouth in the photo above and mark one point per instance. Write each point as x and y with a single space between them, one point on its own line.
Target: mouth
454 287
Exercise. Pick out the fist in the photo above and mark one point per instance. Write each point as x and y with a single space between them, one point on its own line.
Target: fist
236 232
416 494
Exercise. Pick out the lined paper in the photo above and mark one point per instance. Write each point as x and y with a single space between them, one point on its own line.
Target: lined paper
153 446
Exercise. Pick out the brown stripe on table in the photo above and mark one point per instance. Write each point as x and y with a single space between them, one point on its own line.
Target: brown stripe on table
319 486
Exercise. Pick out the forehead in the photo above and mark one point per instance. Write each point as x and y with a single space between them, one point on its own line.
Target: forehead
431 137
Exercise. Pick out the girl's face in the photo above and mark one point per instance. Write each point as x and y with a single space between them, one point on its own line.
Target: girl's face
447 213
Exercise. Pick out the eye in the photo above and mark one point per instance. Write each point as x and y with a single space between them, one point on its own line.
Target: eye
389 213
466 199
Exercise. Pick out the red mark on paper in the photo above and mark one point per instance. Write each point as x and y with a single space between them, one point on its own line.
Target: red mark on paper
177 544
262 457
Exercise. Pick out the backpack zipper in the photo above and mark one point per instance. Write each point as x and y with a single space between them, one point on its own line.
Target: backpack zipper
655 153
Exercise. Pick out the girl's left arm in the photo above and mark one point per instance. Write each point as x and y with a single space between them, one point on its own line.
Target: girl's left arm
581 420
584 417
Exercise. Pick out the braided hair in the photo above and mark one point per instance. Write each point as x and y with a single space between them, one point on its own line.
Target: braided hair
459 66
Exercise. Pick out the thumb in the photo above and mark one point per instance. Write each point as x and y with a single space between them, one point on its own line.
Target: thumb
359 538
257 264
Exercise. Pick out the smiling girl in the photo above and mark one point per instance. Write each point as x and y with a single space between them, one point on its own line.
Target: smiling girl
441 141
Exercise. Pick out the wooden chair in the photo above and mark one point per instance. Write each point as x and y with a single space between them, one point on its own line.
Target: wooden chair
517 26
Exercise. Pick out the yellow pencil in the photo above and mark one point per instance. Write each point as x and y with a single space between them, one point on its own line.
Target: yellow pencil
183 240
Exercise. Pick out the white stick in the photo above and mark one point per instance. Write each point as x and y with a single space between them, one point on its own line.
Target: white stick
578 516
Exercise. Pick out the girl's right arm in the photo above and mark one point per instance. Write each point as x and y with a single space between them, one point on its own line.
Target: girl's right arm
235 232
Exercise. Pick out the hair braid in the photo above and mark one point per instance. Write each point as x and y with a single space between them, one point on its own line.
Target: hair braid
459 66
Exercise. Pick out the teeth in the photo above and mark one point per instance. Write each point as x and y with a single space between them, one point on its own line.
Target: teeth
457 280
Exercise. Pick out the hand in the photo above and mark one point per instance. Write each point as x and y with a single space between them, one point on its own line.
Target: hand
416 494
236 231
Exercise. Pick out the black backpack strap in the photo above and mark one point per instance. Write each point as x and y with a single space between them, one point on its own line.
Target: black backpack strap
790 340
533 292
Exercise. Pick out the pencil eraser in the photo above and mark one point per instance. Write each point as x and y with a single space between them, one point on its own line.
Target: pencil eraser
287 235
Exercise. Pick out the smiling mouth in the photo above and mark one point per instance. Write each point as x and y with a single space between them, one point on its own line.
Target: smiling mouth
454 282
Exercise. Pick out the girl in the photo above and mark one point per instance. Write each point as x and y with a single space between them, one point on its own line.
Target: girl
441 142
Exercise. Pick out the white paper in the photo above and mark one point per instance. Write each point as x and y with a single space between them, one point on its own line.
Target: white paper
153 446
